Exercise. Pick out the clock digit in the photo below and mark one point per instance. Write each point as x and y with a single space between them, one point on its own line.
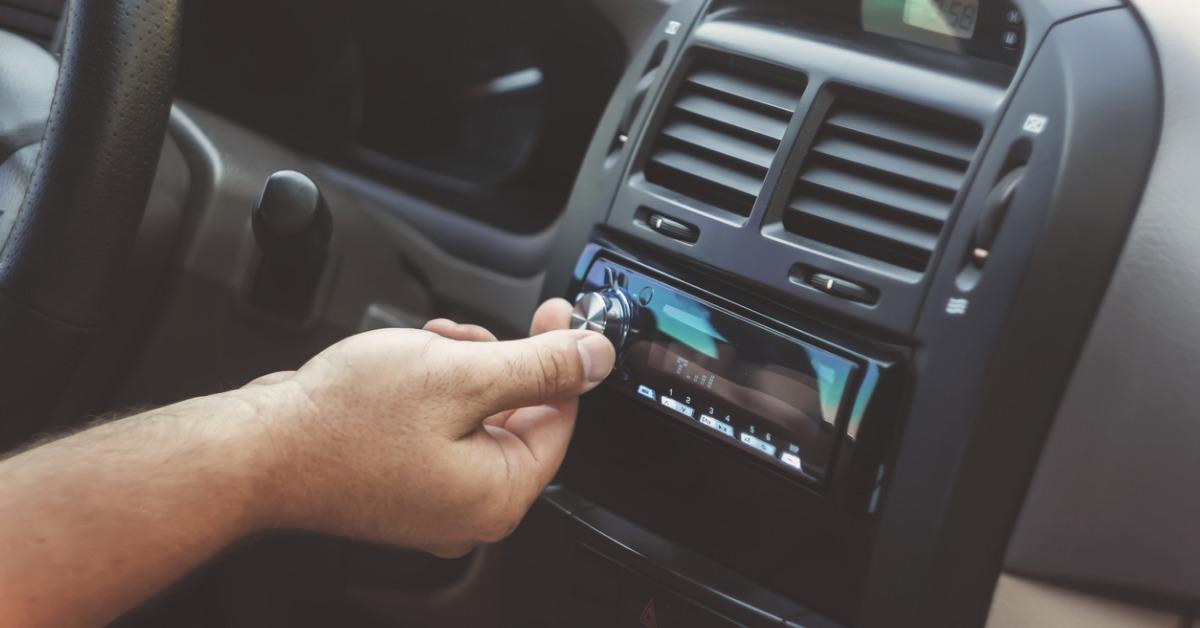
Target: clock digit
968 18
954 14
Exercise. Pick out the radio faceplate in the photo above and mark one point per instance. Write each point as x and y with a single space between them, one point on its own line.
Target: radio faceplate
774 392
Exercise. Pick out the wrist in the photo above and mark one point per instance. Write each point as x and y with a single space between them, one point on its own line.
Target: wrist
263 423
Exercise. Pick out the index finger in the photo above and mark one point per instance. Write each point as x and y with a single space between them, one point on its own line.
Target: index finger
551 315
458 331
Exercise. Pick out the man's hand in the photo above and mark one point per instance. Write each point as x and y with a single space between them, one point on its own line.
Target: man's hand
434 439
438 439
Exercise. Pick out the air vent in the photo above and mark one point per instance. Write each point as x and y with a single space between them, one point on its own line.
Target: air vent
35 19
881 179
722 132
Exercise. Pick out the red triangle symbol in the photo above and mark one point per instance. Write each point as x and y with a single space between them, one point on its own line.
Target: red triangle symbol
649 619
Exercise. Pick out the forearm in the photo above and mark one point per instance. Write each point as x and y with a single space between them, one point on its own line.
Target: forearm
435 439
94 523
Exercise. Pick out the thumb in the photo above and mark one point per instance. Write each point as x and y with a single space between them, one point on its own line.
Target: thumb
548 368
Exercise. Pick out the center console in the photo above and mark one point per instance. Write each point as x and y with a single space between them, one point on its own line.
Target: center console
847 253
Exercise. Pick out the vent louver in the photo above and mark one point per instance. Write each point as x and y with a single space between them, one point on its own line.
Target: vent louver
722 131
881 179
35 19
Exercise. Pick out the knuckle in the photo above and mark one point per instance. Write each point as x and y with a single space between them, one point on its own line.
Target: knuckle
548 367
557 371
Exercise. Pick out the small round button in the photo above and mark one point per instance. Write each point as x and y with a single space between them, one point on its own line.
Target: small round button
646 295
1011 39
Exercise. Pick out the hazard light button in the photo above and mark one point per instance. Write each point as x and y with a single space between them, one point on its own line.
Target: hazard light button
649 616
667 610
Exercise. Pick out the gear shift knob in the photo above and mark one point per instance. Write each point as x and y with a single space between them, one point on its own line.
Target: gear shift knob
291 219
292 225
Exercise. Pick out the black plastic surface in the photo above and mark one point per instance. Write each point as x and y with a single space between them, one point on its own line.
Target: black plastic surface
600 569
993 362
719 137
964 92
879 181
602 168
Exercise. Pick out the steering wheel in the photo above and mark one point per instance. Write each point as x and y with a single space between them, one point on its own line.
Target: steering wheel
71 199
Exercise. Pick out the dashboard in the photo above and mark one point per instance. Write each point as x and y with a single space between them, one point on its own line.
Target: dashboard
840 258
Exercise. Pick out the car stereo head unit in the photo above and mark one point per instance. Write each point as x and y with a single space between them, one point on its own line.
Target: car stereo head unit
777 394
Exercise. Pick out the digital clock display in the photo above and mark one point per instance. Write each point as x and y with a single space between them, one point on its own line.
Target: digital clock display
956 18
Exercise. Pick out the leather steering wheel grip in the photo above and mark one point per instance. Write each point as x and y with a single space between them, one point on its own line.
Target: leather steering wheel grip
71 239
98 158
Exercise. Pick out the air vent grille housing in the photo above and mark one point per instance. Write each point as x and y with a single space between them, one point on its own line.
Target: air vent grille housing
881 179
36 19
720 135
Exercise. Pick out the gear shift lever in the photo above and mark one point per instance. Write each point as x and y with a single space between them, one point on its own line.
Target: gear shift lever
293 226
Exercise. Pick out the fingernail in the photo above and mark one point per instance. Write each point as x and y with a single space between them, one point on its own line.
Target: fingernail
597 355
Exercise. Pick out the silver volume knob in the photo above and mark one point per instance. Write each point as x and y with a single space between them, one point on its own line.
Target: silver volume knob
605 312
